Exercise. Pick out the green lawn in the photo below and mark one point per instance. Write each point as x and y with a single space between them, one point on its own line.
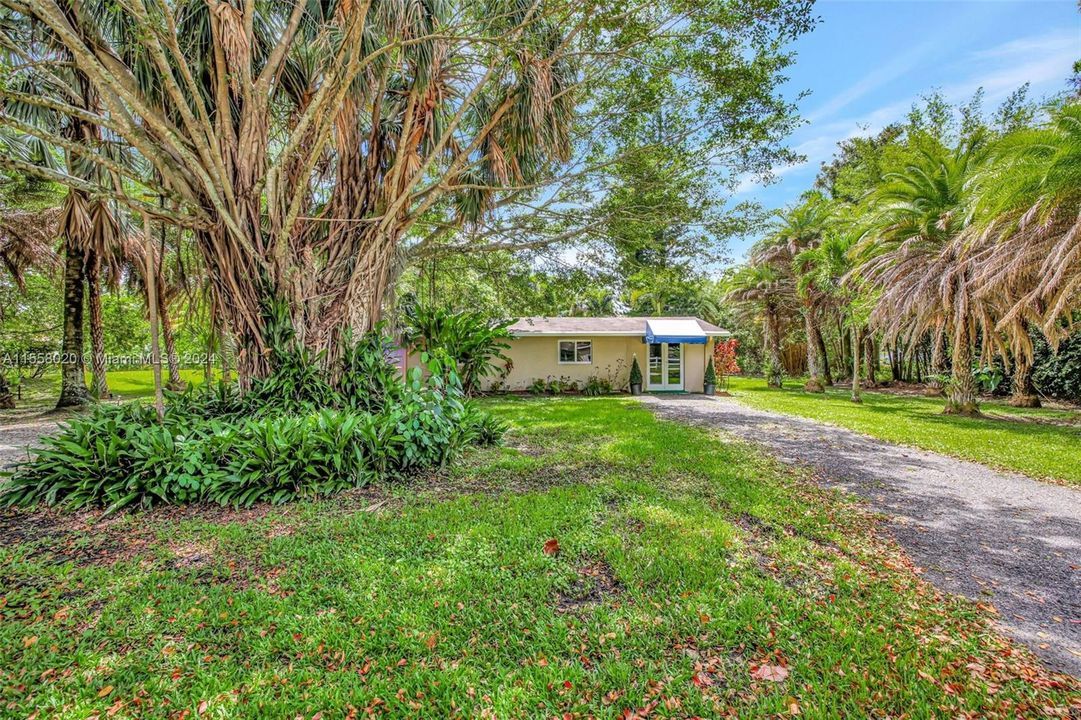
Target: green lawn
1042 443
124 384
693 577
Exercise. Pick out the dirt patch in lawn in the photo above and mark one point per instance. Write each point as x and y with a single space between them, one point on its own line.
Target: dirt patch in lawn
594 584
205 563
473 475
81 538
91 537
191 555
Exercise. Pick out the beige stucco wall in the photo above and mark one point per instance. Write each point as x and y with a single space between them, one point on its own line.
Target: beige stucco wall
538 357
694 366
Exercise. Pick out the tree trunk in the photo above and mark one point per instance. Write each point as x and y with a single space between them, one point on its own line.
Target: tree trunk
73 390
1024 394
774 366
175 383
152 307
823 356
844 340
814 382
225 349
871 360
97 330
856 366
961 397
897 360
938 364
208 357
7 399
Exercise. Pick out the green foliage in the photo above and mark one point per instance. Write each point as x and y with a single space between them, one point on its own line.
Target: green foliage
989 378
710 377
470 339
539 386
293 435
369 380
595 386
1058 373
556 386
636 372
773 371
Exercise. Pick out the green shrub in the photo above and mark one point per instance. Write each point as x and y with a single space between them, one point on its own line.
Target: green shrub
486 428
1057 373
471 339
710 377
988 378
595 385
369 380
636 372
216 445
538 387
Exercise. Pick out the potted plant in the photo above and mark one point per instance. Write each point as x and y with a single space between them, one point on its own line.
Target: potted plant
710 379
636 377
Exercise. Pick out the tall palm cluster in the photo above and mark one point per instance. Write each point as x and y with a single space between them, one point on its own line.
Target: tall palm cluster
960 252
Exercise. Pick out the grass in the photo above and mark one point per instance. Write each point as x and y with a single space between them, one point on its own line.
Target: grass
1041 443
693 577
42 392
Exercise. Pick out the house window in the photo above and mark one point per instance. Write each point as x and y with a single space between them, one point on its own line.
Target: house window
575 352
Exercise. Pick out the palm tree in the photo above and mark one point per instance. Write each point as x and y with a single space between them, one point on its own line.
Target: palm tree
25 242
827 267
800 229
1024 241
910 257
766 294
87 225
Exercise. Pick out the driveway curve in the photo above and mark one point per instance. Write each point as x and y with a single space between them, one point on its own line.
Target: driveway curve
977 532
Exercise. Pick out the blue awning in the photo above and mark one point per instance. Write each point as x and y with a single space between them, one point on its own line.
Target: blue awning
675 331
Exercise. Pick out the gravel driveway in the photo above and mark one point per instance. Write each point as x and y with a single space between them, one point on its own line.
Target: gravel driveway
17 437
978 532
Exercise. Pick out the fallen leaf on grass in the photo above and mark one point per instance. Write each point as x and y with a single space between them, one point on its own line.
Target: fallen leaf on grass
772 673
105 691
551 547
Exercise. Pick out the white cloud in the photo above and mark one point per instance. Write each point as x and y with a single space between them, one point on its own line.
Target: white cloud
1043 65
1058 39
901 65
1042 60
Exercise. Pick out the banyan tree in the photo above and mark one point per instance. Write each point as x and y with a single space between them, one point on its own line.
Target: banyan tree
299 142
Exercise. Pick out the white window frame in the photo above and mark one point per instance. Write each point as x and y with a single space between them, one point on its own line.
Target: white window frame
559 354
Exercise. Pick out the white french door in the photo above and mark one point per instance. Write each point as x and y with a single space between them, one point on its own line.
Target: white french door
665 367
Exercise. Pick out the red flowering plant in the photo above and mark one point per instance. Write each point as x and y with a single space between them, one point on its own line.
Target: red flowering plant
724 361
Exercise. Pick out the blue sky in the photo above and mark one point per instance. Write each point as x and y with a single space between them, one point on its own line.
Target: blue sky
867 61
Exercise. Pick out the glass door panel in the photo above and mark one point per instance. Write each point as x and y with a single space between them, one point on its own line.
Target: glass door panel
665 371
674 371
656 366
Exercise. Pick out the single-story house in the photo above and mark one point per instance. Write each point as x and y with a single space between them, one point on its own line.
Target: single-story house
671 351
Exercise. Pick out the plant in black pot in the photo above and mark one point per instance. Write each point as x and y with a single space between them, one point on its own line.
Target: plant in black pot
710 379
636 377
